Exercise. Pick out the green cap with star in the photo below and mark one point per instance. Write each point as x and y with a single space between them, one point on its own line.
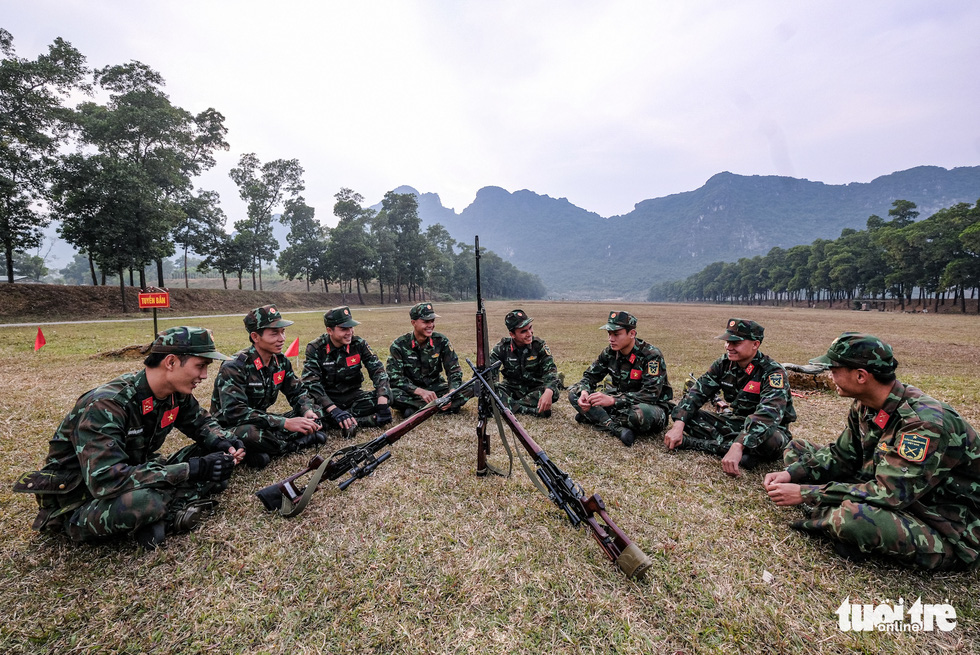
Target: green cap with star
186 341
742 329
859 350
516 319
620 321
266 316
422 312
339 317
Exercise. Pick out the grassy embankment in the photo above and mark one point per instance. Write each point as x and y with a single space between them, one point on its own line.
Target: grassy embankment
425 557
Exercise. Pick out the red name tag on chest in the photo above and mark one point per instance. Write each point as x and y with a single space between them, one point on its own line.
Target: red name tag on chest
278 376
169 417
752 387
354 360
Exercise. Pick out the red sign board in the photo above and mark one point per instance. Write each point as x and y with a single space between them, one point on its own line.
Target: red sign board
154 300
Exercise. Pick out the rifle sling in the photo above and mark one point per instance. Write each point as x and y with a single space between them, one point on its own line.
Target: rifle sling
503 439
288 510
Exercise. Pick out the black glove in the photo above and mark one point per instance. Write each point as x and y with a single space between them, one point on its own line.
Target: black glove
340 415
384 414
216 467
224 444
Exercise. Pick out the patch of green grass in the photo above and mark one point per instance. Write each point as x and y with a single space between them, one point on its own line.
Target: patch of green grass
425 557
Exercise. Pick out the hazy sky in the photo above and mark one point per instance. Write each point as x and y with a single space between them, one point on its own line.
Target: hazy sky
604 103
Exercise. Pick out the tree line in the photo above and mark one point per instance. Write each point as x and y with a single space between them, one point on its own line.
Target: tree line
119 175
896 258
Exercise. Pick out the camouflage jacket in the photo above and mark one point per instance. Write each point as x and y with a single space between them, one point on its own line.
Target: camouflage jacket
245 388
113 433
759 393
332 370
915 454
526 367
412 364
639 377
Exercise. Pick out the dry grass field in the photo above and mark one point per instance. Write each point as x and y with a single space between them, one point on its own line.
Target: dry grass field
424 557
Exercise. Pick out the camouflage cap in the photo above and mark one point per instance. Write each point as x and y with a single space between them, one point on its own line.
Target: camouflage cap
858 350
186 341
339 317
517 319
266 316
422 311
741 329
620 321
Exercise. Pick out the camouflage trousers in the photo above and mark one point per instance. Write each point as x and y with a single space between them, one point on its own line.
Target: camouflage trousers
715 433
402 400
271 441
108 517
362 404
522 400
875 530
641 418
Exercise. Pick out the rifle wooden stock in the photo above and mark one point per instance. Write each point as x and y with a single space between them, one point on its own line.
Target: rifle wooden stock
570 498
358 461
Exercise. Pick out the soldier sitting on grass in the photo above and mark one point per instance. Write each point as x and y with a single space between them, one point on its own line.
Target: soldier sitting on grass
902 480
637 400
104 476
416 362
757 391
530 378
249 384
333 374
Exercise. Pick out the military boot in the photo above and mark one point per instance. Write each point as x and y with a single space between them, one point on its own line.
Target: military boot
150 536
711 447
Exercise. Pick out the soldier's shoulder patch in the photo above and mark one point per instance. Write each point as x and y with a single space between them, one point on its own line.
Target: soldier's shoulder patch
777 380
653 367
913 447
547 350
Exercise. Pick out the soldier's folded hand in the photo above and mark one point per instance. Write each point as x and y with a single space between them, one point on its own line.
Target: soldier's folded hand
216 467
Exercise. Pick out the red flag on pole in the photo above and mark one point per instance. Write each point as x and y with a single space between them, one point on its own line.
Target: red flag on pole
293 350
39 340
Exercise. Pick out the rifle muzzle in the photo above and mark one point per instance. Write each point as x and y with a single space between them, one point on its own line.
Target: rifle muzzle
633 561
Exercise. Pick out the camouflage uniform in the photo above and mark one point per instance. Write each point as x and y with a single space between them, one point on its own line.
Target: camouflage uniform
413 364
902 481
526 371
333 375
638 384
245 388
104 476
761 406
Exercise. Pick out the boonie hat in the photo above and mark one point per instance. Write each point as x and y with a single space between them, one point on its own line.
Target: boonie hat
186 341
741 329
516 319
620 321
422 311
859 350
339 317
266 316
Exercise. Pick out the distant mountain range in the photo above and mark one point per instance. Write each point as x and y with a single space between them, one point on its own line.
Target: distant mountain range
581 255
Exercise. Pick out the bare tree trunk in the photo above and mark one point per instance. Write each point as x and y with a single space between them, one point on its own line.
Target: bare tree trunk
360 298
122 288
91 268
187 284
160 280
260 274
224 280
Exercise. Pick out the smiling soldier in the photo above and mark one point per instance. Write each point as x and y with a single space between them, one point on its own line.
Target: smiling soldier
416 363
530 380
757 390
249 384
637 400
104 475
903 478
333 374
